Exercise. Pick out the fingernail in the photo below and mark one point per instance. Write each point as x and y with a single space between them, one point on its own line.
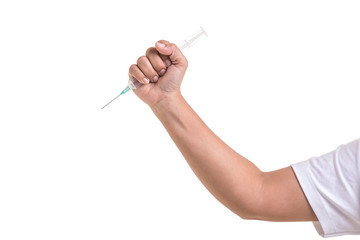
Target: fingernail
167 62
146 80
161 44
162 72
155 78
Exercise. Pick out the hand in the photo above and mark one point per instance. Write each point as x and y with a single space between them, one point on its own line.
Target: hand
160 71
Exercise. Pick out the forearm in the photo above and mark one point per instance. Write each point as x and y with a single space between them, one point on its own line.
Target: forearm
232 179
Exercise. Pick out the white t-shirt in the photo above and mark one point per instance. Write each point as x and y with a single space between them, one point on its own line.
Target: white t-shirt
331 184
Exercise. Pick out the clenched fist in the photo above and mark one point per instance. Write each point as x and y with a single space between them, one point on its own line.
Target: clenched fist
160 71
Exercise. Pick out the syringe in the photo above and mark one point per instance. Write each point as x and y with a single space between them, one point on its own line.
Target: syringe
134 84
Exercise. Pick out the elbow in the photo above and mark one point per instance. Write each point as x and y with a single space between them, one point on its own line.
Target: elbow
247 210
250 214
245 216
251 206
251 217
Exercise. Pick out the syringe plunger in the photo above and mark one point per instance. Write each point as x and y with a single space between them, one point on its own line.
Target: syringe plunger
192 39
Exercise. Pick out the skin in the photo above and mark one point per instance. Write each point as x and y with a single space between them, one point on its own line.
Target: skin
232 179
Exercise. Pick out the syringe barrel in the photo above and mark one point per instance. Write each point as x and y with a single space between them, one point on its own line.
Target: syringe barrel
188 42
134 84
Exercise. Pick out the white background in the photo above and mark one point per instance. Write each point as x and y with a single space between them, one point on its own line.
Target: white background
276 80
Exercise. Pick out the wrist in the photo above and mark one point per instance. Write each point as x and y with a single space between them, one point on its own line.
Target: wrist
168 103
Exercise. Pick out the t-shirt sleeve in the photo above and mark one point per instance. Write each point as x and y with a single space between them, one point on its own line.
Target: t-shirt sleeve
331 184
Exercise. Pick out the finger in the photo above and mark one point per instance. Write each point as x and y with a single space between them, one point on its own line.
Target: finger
135 72
175 55
145 66
156 61
166 60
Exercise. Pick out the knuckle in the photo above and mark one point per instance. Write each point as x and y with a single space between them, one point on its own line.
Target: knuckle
132 68
186 63
164 41
150 51
141 60
171 45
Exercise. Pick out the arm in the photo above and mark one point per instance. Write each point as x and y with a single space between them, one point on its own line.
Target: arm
232 179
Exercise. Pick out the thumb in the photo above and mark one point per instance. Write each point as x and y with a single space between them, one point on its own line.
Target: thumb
170 49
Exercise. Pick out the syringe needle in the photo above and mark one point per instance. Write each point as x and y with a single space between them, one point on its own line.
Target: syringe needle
112 100
124 91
